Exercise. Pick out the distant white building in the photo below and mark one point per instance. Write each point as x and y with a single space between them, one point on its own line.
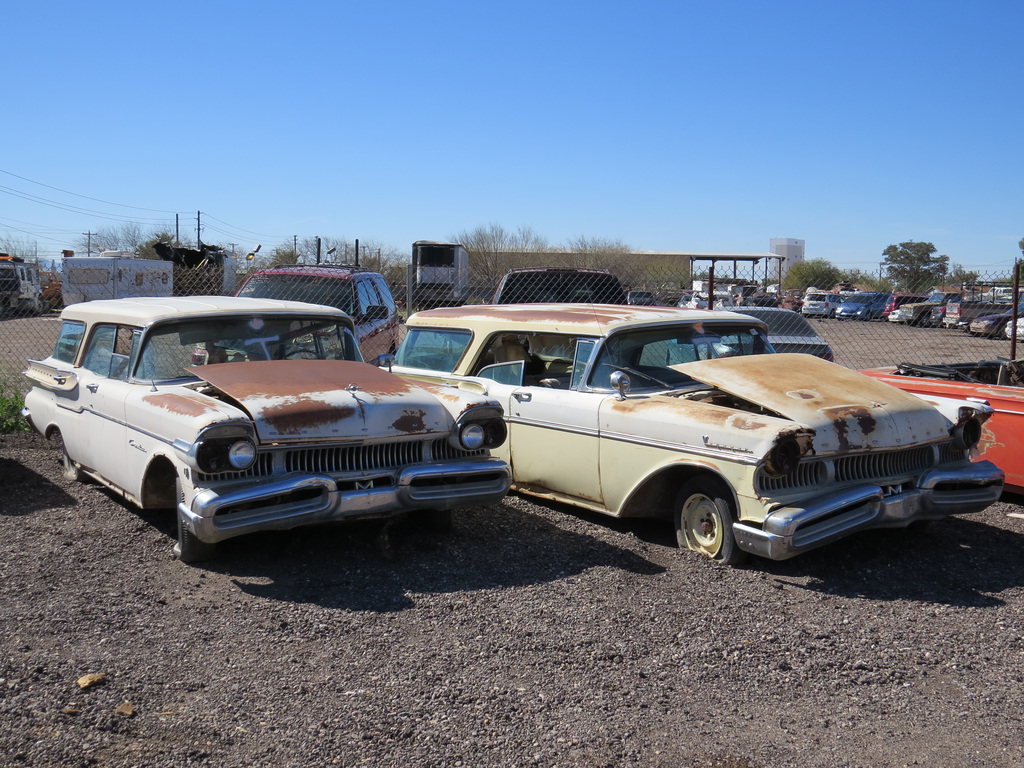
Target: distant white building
790 249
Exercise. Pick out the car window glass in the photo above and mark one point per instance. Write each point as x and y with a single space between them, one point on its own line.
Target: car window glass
584 351
505 373
101 347
171 347
385 294
70 339
648 354
313 289
434 349
367 295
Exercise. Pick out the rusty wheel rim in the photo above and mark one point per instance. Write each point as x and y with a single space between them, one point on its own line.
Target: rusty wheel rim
702 525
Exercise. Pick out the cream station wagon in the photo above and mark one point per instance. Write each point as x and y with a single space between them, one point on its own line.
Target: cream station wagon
689 415
253 414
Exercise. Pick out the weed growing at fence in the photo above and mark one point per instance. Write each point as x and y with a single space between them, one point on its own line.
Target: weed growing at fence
11 403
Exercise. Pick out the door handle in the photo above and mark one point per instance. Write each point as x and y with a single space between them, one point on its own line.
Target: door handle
522 397
92 387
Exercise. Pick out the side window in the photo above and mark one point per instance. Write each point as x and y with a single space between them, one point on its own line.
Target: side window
385 294
70 339
109 351
584 351
367 295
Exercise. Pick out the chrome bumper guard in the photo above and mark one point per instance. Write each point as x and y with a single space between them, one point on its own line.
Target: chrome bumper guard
309 499
938 493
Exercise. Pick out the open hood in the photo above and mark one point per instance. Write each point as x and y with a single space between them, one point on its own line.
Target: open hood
847 409
326 400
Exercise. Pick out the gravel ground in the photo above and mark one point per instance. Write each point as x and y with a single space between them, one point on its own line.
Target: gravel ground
530 635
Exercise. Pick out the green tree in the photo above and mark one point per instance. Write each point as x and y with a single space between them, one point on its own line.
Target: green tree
145 250
818 273
960 276
914 267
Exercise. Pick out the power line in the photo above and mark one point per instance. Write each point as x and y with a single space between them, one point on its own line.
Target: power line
84 197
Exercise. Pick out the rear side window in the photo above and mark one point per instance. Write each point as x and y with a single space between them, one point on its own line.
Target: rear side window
385 294
69 341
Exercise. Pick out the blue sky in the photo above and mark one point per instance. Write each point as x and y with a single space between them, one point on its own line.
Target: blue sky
667 125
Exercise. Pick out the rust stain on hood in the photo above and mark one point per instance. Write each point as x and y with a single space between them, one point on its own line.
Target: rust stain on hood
846 409
184 405
304 400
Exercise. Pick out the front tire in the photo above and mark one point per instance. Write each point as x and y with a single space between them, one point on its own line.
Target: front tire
704 516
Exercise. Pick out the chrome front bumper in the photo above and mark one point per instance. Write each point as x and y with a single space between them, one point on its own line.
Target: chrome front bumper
938 493
304 499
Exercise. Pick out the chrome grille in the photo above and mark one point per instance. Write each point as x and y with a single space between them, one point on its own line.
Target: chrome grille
806 474
441 450
867 467
355 458
263 467
345 459
883 464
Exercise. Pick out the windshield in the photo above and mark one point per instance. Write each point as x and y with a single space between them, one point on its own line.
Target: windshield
861 299
171 347
649 355
435 349
313 289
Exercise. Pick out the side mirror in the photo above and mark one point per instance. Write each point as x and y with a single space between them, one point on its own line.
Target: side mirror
376 312
385 361
620 382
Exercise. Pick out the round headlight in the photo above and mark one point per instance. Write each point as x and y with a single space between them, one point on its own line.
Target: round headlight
472 436
242 454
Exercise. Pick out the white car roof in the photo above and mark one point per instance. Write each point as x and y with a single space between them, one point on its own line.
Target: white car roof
146 310
583 319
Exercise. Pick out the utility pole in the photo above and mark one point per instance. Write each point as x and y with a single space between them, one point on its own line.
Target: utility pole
89 235
199 231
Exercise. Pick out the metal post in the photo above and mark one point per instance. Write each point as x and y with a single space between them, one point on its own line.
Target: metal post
1013 310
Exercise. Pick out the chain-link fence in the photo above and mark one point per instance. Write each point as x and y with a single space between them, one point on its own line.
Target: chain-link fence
866 325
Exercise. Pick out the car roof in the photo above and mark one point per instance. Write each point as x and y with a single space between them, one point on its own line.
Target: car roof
337 271
145 310
587 319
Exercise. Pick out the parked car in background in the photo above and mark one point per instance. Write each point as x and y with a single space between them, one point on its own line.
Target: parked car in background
920 312
362 294
820 304
689 416
1009 330
247 415
995 325
789 331
897 300
559 284
761 300
862 306
641 298
1000 383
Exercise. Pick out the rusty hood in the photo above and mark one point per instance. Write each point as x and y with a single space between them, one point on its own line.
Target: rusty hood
846 409
326 400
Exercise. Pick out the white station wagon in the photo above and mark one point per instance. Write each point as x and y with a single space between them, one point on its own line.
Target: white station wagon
252 414
689 415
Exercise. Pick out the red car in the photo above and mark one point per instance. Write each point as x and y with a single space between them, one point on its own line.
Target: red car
362 294
998 382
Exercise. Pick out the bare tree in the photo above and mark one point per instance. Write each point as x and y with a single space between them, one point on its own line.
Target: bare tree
597 253
128 237
493 250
